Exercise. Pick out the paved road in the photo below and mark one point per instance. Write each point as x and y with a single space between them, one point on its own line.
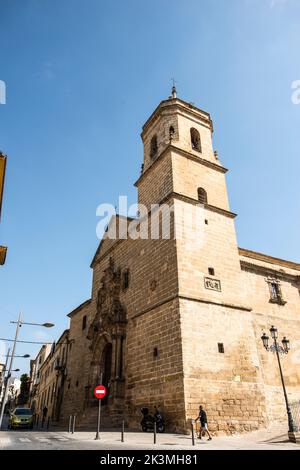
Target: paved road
111 440
24 439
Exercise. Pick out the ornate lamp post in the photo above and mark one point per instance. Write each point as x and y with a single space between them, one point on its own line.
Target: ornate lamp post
278 349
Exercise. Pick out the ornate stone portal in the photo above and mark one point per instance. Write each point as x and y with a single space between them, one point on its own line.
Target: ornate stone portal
107 334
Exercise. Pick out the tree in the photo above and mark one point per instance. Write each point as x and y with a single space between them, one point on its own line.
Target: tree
24 390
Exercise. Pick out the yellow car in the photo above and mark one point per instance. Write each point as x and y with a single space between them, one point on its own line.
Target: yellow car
21 418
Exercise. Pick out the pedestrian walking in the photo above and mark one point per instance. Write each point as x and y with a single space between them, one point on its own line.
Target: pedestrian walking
202 417
45 411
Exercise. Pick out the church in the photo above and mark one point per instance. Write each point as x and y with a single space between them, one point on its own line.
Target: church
177 321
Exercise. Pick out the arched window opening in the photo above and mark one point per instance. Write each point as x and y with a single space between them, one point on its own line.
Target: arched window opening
171 133
195 139
153 146
105 367
125 280
202 196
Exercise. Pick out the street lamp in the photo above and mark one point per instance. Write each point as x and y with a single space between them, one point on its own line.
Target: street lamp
278 349
19 323
46 325
25 356
274 332
265 340
286 344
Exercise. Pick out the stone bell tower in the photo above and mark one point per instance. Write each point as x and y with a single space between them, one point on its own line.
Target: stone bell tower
178 136
181 169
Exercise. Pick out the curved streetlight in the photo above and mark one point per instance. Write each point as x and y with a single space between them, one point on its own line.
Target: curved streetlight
25 356
19 323
46 325
278 349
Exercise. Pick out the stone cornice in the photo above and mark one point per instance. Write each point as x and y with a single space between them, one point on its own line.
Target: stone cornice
193 299
171 195
265 270
117 216
195 202
97 259
184 153
216 302
179 105
79 308
268 259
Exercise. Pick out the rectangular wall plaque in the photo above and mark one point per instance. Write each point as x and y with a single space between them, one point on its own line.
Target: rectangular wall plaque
212 284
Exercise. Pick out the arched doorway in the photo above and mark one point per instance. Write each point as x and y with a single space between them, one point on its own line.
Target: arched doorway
105 367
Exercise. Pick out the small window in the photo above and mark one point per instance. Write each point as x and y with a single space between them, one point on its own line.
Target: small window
206 222
77 383
202 196
171 133
84 322
275 290
153 146
126 279
155 352
221 348
275 293
195 140
211 271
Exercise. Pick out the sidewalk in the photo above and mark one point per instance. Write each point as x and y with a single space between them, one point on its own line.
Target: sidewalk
262 440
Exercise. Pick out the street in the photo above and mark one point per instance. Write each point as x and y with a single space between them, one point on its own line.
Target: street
111 440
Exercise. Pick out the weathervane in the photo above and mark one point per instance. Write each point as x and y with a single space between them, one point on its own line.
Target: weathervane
174 93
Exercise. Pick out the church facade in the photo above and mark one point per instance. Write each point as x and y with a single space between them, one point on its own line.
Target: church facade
177 321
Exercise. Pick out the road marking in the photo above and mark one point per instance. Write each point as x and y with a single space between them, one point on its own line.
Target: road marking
24 439
5 441
43 439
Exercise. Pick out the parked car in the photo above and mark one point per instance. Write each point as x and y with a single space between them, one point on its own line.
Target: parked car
20 418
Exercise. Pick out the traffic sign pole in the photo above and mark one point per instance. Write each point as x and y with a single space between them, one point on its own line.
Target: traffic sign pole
99 420
99 393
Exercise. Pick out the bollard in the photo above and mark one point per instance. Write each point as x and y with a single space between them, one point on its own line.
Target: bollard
48 423
70 423
154 433
122 432
193 435
73 427
37 421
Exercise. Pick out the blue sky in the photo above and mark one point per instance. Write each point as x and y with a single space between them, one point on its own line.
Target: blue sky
83 76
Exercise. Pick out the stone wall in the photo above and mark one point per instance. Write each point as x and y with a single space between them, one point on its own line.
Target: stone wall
154 365
228 384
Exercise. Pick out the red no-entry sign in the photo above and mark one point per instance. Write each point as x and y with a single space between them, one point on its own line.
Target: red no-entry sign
100 391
